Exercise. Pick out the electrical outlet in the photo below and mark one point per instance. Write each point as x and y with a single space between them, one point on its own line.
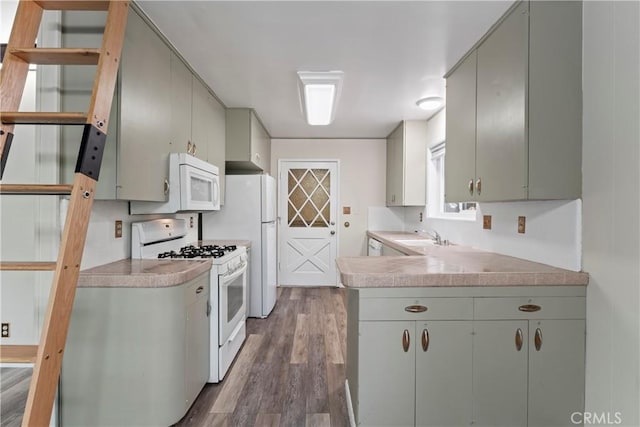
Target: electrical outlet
190 222
118 229
521 224
420 216
5 330
486 222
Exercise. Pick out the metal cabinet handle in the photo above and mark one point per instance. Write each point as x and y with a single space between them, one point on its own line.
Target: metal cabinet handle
519 339
538 339
416 308
200 289
406 340
208 308
479 186
529 308
166 187
425 339
188 147
193 150
471 187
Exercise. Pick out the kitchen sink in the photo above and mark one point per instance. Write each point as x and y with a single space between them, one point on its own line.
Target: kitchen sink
417 242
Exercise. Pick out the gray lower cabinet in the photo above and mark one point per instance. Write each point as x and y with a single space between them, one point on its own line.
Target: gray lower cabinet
135 356
485 361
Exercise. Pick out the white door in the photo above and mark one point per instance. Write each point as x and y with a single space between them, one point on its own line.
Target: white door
308 239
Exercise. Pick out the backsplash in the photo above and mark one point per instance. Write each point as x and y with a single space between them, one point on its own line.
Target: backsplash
553 229
101 246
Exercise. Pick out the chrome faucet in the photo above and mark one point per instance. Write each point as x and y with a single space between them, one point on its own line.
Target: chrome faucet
433 234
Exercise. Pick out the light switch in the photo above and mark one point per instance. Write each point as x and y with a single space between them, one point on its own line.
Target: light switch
521 224
118 229
486 222
346 210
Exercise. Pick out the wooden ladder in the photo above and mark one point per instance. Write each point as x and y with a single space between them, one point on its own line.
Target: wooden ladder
20 52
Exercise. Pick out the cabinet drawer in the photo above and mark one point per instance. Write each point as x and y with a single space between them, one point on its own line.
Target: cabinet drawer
414 308
530 308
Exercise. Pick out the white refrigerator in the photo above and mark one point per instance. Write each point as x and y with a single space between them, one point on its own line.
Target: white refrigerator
249 213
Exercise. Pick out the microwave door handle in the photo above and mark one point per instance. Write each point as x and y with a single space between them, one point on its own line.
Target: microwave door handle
232 276
216 191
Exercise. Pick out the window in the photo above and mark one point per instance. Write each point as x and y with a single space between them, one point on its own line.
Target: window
436 205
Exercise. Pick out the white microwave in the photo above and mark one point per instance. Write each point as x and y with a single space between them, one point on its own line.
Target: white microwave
193 186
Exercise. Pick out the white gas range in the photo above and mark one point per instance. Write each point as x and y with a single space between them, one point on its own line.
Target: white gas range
167 238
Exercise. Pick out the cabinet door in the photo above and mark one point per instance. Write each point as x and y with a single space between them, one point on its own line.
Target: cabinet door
443 373
500 373
181 98
201 124
197 348
260 144
501 149
145 114
216 150
460 154
395 157
414 164
556 371
386 374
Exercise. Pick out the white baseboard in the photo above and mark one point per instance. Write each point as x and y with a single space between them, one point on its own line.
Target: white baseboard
352 417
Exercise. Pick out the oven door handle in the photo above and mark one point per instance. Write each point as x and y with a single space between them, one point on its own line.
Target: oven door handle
226 278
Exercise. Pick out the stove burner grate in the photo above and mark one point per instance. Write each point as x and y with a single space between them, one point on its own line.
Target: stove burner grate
205 251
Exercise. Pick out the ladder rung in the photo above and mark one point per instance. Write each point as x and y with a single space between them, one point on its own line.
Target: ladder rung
28 266
36 189
40 118
57 56
18 353
73 4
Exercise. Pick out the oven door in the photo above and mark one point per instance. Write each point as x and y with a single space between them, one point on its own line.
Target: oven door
199 189
233 301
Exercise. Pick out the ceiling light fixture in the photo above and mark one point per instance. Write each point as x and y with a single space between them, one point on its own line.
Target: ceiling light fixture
319 94
430 103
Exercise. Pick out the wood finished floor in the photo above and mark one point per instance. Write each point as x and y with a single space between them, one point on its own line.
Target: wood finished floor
290 371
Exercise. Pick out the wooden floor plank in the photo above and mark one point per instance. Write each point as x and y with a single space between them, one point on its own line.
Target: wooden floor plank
296 293
13 398
336 375
318 420
232 388
300 351
217 420
332 343
318 392
267 420
294 411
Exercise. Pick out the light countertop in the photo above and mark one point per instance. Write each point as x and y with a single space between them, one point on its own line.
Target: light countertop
447 266
143 273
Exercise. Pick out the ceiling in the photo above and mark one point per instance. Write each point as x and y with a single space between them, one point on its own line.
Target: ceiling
391 52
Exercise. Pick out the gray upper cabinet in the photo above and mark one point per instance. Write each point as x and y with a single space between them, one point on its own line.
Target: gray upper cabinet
526 142
248 146
159 107
460 155
145 114
406 164
501 164
208 129
181 106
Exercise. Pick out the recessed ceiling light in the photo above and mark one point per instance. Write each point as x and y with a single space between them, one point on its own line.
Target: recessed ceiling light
319 93
430 103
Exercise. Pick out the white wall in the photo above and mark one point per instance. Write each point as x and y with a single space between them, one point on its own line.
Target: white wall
102 247
362 180
611 159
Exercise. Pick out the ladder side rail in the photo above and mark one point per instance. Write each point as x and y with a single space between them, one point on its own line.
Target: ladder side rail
14 72
56 322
